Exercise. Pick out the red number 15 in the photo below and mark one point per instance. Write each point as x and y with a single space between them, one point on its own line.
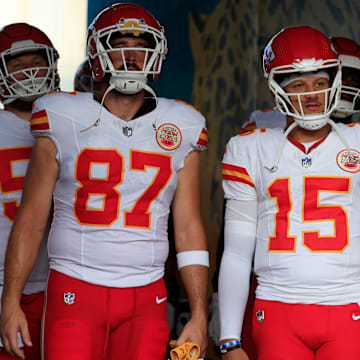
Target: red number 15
312 211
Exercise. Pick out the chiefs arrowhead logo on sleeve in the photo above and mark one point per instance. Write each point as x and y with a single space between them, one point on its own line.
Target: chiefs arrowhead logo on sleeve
236 173
39 121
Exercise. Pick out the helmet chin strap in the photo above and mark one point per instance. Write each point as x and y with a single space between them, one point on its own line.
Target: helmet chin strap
132 84
97 122
112 86
290 128
282 142
312 123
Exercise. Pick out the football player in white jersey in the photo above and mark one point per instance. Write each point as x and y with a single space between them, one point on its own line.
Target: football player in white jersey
349 55
114 169
348 52
293 201
178 312
28 70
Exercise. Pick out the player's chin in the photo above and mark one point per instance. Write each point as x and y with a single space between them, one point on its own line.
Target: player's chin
313 109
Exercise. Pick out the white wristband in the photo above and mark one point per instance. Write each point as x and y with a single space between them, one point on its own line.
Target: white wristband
194 257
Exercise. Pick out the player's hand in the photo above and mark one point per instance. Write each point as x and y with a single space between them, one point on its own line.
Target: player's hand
238 354
13 321
195 331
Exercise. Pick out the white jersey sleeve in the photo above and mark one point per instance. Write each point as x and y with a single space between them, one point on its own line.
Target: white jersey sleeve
116 184
238 168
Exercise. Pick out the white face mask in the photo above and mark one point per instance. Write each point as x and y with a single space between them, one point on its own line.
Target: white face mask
27 84
285 105
30 89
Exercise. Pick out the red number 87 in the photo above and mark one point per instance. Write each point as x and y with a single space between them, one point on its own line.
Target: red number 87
139 215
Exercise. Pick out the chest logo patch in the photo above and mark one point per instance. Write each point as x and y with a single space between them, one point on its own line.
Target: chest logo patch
168 136
349 160
306 162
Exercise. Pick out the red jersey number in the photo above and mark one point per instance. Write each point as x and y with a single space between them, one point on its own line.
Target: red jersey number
8 181
139 215
312 212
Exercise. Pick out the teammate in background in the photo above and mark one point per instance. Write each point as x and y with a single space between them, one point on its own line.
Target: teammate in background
28 70
297 211
348 52
84 81
115 168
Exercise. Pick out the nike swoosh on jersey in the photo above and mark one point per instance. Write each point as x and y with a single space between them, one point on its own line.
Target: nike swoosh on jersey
159 301
355 317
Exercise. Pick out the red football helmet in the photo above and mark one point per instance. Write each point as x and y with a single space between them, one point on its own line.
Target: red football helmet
348 52
83 81
18 39
301 50
125 20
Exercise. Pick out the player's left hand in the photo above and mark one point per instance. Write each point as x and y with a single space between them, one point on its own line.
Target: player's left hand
195 331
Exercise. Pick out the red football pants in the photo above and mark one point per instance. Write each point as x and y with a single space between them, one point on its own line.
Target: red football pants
247 342
33 306
306 332
97 322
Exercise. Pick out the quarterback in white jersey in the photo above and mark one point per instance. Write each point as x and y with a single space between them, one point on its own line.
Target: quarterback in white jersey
114 165
304 234
292 200
28 70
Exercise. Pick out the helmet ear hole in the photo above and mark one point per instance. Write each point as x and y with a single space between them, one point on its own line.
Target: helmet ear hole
97 71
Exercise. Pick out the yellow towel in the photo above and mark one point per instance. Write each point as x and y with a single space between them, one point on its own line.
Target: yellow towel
187 350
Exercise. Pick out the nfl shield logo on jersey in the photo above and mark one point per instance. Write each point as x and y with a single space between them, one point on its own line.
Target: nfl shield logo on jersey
306 162
127 131
260 316
69 298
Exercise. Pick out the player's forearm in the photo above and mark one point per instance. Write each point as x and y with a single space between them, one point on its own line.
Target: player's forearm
195 281
21 254
239 245
233 299
193 263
